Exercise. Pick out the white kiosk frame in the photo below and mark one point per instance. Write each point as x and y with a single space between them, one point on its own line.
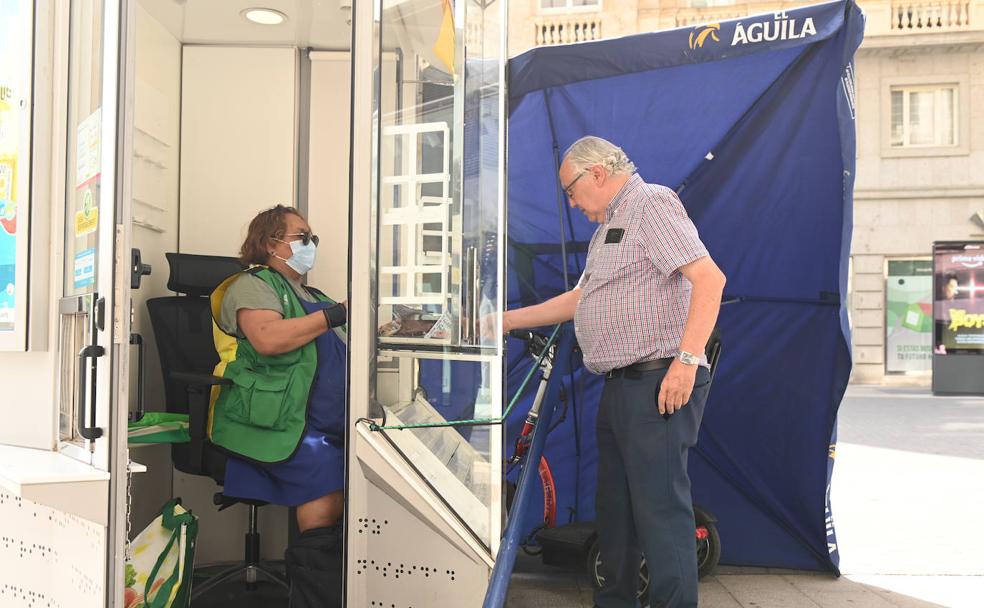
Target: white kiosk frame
424 513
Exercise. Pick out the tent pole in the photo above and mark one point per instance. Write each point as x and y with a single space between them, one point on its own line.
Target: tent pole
560 196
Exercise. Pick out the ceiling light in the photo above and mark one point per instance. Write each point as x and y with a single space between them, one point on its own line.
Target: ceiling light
264 16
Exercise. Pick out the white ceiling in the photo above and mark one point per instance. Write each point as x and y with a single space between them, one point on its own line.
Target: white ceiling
317 24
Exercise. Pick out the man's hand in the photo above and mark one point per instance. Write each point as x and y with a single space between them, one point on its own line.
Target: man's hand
507 321
678 383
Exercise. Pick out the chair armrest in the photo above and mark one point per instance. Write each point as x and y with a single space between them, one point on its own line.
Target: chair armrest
196 379
199 387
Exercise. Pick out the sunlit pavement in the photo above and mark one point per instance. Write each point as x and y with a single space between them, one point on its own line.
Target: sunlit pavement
908 503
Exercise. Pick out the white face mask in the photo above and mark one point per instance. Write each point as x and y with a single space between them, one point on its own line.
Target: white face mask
302 256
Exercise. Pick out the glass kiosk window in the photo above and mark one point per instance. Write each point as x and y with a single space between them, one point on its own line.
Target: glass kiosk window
82 181
438 260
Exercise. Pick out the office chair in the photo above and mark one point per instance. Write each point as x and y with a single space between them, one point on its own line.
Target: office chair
182 326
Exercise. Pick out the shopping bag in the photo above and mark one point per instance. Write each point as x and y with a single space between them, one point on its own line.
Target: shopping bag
159 427
162 560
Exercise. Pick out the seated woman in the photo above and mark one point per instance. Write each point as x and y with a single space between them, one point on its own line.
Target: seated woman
282 418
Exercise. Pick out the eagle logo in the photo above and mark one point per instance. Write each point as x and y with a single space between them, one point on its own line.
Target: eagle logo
711 29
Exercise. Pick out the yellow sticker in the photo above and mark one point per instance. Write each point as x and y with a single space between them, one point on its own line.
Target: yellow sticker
86 220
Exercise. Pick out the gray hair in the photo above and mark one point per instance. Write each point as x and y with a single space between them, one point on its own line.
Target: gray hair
590 151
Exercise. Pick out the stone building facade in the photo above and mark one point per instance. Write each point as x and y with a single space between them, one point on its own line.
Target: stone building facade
920 123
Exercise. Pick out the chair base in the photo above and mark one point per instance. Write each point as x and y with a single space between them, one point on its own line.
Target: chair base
250 574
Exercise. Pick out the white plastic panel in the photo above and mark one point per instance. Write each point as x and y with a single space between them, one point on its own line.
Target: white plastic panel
48 558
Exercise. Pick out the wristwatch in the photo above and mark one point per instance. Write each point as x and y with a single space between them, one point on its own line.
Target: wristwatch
688 358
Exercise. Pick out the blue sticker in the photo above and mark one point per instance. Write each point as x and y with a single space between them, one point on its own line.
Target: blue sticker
85 268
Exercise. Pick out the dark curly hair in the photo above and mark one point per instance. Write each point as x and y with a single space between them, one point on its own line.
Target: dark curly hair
267 225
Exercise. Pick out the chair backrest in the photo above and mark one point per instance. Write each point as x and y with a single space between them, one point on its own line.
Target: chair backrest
183 330
199 275
183 324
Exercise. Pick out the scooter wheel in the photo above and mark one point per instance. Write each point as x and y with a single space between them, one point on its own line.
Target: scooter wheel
708 554
597 578
708 549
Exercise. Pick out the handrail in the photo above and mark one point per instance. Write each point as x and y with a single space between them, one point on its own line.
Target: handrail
495 596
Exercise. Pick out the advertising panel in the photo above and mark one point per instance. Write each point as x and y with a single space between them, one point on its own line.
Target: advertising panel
959 297
15 146
909 316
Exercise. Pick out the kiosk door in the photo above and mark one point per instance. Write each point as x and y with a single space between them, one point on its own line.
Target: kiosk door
91 298
424 485
94 312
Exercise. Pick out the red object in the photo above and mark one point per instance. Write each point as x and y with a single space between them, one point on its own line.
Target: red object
549 494
9 225
702 533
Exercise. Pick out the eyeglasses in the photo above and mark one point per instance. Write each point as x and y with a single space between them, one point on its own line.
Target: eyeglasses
306 237
569 187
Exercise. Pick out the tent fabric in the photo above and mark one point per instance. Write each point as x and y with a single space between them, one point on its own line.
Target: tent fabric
751 121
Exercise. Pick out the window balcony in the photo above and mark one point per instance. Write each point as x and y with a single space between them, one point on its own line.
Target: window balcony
933 16
567 28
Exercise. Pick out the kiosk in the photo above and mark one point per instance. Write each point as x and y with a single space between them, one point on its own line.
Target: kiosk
958 318
135 128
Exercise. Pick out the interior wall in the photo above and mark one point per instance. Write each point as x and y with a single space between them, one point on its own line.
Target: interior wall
238 148
238 141
157 119
328 169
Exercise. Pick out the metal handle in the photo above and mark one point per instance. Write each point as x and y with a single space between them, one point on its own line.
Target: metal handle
93 352
138 269
465 292
137 339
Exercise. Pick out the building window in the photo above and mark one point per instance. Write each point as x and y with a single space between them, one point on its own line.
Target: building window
924 116
569 5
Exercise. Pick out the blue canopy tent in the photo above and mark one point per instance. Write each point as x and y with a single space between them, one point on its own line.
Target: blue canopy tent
752 122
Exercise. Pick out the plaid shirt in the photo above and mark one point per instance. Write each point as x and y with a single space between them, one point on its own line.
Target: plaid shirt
634 301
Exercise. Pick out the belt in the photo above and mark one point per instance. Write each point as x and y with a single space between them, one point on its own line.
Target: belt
642 366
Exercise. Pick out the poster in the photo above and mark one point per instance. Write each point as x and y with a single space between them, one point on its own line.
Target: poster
88 138
15 66
959 297
909 316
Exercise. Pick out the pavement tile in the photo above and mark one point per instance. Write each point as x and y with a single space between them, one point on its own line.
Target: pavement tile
765 591
838 593
927 591
714 595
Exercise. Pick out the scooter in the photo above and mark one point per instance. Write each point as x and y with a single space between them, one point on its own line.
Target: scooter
576 544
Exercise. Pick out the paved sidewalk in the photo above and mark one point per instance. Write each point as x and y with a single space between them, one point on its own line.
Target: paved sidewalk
537 586
908 504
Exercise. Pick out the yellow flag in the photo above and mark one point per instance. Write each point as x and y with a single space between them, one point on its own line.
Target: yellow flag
444 47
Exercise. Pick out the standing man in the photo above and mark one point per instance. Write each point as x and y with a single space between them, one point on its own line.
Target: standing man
643 312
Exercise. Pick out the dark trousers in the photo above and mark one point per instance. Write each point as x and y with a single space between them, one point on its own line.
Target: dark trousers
643 504
315 567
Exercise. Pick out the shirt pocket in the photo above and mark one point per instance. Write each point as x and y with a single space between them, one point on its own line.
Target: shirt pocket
616 260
